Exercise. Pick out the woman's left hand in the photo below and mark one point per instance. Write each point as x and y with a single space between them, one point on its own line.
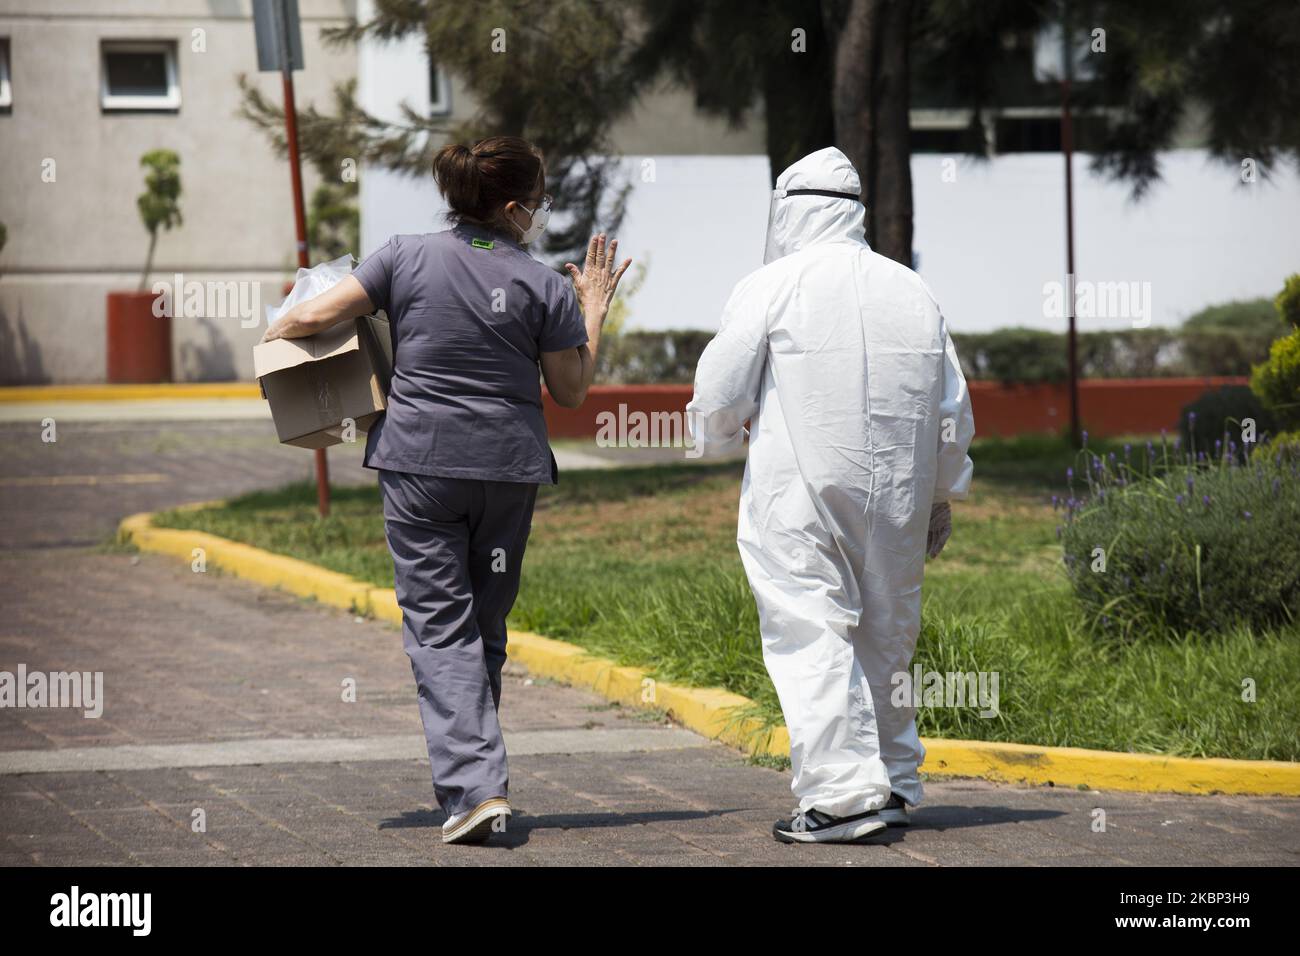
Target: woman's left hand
598 280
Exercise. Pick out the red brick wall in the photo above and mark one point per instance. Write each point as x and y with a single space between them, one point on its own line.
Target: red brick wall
1107 406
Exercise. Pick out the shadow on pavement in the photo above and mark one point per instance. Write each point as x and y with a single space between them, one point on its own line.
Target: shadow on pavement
522 824
961 818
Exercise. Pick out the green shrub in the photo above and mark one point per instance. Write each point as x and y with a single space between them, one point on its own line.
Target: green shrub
1223 340
1013 355
1241 315
639 357
1223 351
1185 547
1214 423
1285 444
1228 339
1287 302
1277 381
1127 353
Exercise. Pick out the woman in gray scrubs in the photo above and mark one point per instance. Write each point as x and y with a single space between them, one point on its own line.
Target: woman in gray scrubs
463 445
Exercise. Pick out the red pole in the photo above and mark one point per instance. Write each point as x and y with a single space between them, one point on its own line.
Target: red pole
1067 147
300 222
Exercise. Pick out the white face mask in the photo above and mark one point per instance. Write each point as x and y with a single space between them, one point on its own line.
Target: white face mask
537 220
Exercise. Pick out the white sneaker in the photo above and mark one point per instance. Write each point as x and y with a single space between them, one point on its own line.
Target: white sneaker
474 826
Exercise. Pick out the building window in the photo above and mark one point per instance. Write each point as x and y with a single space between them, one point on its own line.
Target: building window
1039 131
139 75
6 91
1028 134
946 131
439 91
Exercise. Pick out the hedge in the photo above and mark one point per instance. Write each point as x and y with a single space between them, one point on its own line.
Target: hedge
1008 355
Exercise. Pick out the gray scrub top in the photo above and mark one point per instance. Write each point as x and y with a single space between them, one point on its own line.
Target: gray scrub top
470 313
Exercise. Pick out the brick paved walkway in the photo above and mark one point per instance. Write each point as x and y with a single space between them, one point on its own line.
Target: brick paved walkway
201 667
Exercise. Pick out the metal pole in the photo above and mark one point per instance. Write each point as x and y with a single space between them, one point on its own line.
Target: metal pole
1067 147
299 213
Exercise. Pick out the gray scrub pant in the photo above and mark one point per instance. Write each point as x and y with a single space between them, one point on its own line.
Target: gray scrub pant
457 547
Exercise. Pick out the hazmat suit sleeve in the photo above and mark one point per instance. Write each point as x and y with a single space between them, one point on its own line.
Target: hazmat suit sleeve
956 429
729 376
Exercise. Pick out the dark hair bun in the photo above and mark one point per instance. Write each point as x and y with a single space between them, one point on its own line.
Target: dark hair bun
477 182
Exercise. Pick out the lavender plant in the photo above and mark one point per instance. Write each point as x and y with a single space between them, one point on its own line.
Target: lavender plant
1168 538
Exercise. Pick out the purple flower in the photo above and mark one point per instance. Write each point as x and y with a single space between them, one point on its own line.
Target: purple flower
1191 482
1205 500
1085 439
1247 515
1277 485
1055 502
1179 499
1069 474
1191 418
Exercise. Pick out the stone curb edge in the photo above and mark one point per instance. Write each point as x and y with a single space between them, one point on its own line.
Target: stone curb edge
719 714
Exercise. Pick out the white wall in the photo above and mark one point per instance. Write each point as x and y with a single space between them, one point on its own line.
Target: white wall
987 242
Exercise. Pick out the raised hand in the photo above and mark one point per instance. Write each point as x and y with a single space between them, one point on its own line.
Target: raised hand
596 282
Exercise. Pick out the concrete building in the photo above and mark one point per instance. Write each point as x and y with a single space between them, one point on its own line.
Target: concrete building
92 86
87 87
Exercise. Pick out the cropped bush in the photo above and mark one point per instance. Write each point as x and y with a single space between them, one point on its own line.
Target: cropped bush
1157 543
1227 339
634 357
1283 446
1221 340
1214 424
1287 302
1244 315
1013 355
1223 351
1128 353
1277 381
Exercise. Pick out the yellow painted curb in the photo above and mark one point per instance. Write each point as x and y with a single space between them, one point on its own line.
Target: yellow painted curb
718 714
166 391
245 561
1110 770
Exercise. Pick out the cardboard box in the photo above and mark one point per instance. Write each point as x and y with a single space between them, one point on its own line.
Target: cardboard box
315 384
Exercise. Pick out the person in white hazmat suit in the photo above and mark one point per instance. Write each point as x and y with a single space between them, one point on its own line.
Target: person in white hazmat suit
859 425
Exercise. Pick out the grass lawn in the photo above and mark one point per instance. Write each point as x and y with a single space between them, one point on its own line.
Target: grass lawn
640 565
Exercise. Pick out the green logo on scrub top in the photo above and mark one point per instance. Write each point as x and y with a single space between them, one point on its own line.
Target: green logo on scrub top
481 243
